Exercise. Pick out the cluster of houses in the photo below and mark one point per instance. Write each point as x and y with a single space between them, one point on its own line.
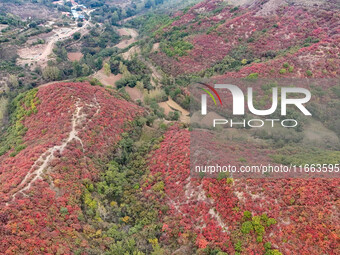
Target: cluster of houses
78 14
77 10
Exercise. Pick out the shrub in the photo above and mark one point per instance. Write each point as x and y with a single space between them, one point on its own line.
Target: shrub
157 95
3 107
238 246
283 71
63 210
247 215
177 48
242 160
259 239
130 81
252 76
267 245
76 36
159 186
51 73
309 73
247 227
250 40
285 65
174 116
234 9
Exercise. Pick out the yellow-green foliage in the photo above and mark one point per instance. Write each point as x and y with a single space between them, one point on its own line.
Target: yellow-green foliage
159 186
299 156
257 225
22 106
157 95
89 201
3 107
107 69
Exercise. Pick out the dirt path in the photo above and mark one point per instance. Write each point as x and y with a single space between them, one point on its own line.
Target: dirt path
39 54
60 35
41 164
135 50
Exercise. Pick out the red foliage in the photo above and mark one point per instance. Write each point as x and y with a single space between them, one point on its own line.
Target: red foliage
42 214
284 31
304 209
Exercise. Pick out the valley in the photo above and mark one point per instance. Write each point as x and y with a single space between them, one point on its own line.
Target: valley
99 127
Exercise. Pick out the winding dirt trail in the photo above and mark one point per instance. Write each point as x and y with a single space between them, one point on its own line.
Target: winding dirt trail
41 164
59 35
40 55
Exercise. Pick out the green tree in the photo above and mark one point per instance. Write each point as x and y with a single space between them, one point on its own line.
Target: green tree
148 4
85 70
77 69
13 81
115 18
51 73
114 65
99 63
76 36
107 69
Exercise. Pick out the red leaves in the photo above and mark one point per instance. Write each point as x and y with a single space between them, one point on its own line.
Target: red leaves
281 34
48 218
305 210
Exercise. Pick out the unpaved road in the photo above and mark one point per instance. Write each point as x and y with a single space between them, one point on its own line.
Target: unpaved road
60 35
38 55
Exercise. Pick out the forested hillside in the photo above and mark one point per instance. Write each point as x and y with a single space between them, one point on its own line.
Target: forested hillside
96 130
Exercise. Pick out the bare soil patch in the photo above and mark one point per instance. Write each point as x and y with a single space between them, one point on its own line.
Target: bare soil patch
74 56
127 32
128 55
171 105
107 80
134 93
3 26
38 55
155 47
